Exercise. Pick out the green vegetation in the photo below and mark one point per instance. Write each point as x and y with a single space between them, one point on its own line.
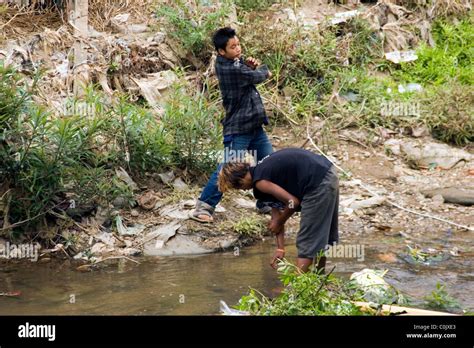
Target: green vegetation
192 28
337 73
254 5
441 300
305 294
192 122
451 58
46 161
249 226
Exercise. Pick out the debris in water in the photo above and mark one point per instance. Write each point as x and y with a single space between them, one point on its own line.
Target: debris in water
375 288
427 257
11 294
226 310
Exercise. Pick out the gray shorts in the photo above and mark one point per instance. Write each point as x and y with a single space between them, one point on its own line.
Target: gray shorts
319 217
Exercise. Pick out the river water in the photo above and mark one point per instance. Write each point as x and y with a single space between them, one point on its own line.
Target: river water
193 285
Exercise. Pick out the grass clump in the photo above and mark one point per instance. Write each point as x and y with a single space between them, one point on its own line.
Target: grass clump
192 26
451 58
249 226
450 114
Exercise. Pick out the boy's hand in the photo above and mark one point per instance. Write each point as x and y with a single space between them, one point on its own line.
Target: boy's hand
279 254
275 227
252 62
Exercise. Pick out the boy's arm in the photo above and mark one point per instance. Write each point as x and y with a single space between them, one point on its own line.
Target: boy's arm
291 202
252 76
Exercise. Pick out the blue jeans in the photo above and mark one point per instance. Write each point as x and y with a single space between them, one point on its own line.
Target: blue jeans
256 142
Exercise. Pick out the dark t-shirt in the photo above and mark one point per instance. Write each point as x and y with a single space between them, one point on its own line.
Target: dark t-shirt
296 170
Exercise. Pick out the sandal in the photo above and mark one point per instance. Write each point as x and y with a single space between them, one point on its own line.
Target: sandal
202 209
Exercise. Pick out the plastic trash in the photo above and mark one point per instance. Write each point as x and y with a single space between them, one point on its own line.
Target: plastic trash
401 56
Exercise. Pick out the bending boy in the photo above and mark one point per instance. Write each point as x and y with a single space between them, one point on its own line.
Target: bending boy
302 181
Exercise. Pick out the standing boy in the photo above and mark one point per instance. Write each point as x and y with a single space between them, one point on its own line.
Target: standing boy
244 111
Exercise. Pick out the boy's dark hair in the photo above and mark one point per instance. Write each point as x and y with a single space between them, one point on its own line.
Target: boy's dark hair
222 36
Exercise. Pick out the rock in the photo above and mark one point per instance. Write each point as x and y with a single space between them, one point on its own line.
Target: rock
106 238
84 268
420 131
101 216
136 28
119 24
437 200
175 212
79 256
342 17
178 245
189 204
220 209
121 18
411 87
389 257
98 248
135 213
244 203
123 175
354 204
179 184
162 234
456 195
368 203
119 202
148 200
394 146
427 154
167 177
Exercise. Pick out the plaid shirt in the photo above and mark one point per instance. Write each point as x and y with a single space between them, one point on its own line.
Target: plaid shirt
241 100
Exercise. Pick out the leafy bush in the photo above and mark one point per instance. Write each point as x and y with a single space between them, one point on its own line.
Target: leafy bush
192 26
192 122
304 294
441 300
